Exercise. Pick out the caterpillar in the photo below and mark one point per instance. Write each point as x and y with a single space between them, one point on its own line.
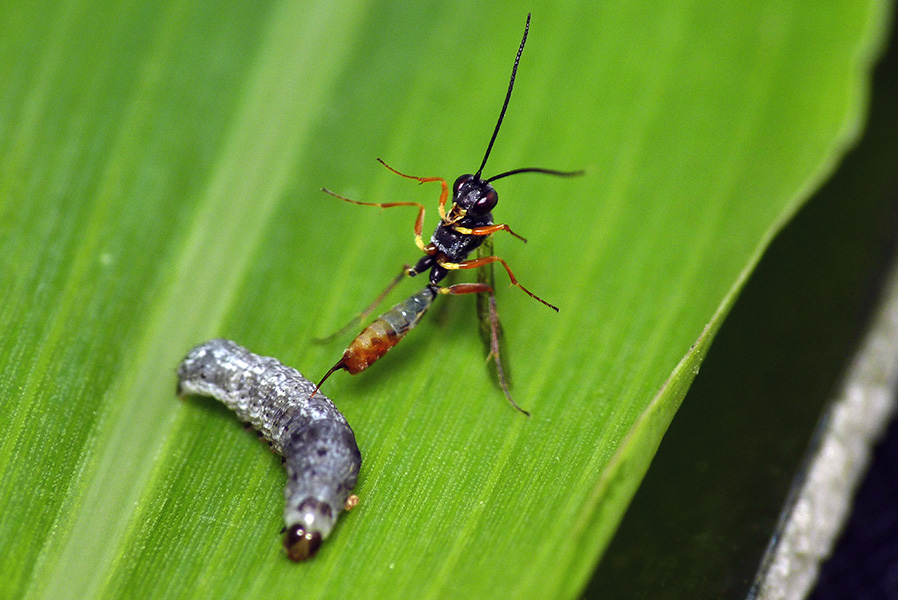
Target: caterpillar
316 443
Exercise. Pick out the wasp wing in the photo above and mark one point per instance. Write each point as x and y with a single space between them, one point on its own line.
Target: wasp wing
489 324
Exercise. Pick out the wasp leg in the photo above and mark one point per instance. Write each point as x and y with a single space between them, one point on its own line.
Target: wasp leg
466 288
370 309
444 193
479 262
419 222
489 229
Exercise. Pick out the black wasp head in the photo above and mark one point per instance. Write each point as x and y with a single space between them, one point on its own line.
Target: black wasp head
474 195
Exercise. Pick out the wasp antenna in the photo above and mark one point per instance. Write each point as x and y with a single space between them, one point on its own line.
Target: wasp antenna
536 170
514 70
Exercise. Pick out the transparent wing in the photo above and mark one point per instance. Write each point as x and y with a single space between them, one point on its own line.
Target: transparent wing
489 324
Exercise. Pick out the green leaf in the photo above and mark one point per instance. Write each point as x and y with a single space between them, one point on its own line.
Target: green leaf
159 186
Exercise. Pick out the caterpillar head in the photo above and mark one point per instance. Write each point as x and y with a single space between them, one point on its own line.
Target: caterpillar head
307 526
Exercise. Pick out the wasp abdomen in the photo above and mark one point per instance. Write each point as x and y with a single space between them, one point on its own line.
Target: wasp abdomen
386 331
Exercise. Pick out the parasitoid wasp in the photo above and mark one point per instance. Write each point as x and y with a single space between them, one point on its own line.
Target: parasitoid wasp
463 229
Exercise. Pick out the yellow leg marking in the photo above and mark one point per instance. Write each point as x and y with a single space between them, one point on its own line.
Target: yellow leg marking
488 230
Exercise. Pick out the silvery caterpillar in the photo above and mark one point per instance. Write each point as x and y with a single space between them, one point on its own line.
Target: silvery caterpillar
317 444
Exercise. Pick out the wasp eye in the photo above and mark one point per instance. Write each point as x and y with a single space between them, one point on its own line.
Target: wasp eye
460 182
486 202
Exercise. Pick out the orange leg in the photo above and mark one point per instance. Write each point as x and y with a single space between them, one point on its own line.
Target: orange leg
488 229
419 222
444 194
479 262
465 288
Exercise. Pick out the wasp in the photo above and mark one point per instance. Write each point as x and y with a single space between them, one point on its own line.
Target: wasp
461 230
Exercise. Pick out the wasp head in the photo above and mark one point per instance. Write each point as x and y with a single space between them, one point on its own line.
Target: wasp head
473 196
